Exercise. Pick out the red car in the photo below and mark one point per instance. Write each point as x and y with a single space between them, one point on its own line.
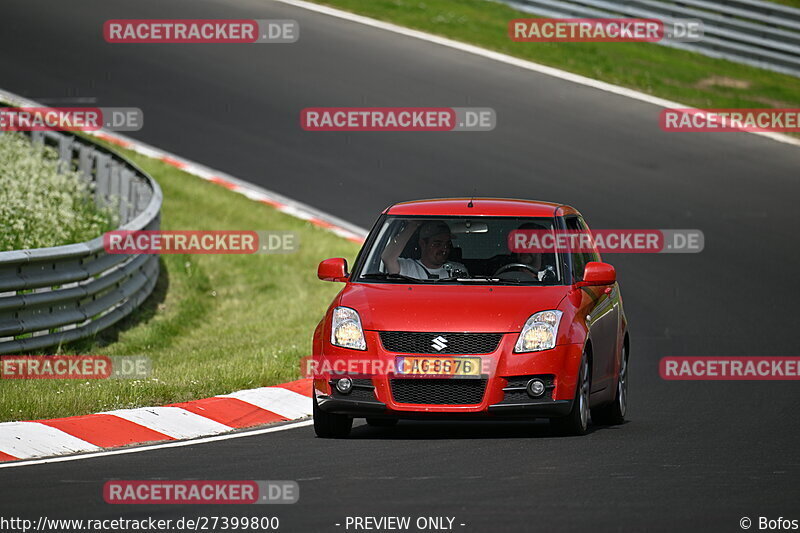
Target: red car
439 317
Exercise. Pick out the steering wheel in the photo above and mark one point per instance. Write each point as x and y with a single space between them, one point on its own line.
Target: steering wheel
517 265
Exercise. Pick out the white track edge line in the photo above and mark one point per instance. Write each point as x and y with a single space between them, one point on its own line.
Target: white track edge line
170 444
515 61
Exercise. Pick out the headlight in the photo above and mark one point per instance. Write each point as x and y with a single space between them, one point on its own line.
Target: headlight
539 332
346 330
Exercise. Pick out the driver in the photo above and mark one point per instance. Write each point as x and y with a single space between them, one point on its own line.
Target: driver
435 244
531 260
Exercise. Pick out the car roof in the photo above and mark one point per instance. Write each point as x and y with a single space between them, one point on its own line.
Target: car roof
480 207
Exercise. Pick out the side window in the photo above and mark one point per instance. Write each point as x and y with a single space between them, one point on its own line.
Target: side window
580 258
593 255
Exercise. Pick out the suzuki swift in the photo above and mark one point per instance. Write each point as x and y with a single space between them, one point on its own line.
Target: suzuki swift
445 314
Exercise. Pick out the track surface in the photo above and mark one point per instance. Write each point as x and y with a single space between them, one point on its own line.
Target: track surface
694 456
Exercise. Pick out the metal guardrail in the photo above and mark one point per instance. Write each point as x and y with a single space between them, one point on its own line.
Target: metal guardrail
751 32
49 296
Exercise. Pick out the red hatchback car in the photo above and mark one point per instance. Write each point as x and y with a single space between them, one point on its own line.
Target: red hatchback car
440 318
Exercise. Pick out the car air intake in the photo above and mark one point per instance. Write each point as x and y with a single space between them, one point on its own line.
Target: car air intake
516 390
438 391
440 343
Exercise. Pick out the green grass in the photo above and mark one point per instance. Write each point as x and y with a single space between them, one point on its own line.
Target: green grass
685 77
215 324
790 3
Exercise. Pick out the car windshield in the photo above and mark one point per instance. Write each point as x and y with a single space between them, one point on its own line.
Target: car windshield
455 250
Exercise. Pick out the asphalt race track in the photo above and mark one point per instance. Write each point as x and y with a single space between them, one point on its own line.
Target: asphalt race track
694 455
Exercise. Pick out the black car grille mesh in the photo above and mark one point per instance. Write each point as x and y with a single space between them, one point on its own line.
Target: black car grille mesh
450 343
438 391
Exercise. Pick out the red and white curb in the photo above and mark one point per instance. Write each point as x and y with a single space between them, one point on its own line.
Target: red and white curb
125 427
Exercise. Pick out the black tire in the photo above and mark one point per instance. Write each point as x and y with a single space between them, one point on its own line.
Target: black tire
382 422
614 413
577 421
331 426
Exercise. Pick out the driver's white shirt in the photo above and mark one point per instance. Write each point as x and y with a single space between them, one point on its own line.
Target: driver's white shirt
413 268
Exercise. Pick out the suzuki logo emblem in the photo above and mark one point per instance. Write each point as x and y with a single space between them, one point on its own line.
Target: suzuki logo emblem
440 343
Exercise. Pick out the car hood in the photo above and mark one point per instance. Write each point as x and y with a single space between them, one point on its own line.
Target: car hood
448 308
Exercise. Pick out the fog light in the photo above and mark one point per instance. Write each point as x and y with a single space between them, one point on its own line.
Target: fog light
344 385
535 388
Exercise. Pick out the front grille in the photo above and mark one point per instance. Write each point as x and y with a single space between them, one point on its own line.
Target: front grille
450 343
438 391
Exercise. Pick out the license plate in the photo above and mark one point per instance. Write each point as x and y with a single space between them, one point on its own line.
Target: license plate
439 366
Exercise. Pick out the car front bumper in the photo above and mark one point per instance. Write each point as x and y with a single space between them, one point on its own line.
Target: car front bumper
376 409
503 395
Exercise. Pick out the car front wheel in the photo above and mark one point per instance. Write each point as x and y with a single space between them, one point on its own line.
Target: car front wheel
329 425
614 413
577 421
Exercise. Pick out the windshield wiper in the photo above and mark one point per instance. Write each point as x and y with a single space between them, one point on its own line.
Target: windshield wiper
393 277
498 281
477 279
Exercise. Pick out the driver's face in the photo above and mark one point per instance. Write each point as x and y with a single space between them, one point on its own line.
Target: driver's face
534 260
436 249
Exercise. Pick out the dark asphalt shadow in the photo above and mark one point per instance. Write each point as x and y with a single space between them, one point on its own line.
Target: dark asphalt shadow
439 430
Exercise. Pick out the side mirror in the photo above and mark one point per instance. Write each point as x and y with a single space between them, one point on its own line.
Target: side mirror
596 273
332 270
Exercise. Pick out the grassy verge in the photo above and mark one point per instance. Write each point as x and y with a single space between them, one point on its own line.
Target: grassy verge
685 77
790 3
215 324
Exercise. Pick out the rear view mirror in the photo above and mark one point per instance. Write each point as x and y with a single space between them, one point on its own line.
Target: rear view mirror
333 270
468 227
596 273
